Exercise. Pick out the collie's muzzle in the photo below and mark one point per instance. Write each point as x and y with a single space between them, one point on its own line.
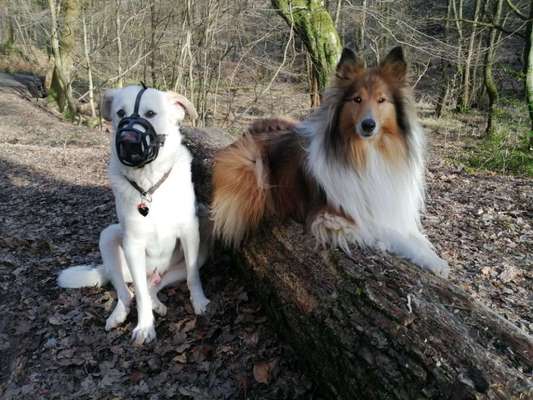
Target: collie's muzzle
136 140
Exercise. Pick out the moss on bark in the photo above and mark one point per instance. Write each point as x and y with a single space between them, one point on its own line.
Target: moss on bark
313 23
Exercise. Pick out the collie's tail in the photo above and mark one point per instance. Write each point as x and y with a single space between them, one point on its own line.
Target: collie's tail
242 180
82 276
240 189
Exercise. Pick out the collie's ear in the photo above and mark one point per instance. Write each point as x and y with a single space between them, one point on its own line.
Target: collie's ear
394 64
184 104
349 64
106 103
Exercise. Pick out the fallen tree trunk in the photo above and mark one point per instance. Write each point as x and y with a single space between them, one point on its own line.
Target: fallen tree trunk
370 325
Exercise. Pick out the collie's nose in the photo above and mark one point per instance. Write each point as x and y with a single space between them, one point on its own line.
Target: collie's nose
367 126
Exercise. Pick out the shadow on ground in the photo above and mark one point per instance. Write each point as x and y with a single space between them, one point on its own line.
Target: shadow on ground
53 342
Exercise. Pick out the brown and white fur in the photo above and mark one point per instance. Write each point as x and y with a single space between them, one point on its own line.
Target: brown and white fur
353 171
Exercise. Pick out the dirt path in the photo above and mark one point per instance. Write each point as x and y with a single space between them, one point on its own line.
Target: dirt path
54 200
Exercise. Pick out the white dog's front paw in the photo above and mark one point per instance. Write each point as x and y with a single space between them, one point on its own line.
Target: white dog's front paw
143 334
117 317
335 230
199 303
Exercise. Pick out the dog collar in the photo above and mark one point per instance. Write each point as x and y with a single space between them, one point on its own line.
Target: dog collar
146 195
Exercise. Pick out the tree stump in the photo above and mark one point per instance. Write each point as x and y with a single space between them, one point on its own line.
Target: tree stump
371 325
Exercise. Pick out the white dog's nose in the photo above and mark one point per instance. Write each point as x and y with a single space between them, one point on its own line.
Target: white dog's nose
129 137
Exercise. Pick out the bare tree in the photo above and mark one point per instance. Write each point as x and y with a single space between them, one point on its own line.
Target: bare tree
529 75
490 84
467 84
118 32
89 68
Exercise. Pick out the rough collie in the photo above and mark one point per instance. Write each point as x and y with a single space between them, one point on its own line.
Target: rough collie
353 171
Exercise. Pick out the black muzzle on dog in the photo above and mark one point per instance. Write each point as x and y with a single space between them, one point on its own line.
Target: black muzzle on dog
136 140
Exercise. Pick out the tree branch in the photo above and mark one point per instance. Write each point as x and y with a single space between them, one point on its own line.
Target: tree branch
516 10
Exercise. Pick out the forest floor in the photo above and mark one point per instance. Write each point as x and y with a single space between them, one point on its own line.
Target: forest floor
54 201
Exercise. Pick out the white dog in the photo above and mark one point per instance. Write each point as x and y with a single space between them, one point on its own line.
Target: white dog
157 240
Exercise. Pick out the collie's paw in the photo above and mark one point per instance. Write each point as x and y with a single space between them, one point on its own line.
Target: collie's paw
199 304
143 334
334 230
117 317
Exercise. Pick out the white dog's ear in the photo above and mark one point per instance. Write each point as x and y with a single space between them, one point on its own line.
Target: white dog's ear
184 103
105 105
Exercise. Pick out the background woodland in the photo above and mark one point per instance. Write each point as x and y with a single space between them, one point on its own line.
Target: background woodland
240 59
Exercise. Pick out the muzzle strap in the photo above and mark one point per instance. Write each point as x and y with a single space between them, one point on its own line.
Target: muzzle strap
138 101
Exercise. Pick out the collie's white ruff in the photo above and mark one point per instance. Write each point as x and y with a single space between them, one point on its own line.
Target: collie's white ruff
384 199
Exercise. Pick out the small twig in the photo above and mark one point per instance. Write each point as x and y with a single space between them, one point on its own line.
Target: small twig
409 307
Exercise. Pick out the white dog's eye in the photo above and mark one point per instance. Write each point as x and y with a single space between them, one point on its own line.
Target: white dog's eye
150 114
121 113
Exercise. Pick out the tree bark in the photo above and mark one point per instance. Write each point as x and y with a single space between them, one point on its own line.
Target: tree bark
311 20
370 325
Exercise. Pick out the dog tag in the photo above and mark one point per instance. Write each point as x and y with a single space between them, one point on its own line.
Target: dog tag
143 209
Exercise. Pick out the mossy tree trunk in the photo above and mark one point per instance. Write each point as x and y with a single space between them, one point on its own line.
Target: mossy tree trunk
490 83
63 43
314 25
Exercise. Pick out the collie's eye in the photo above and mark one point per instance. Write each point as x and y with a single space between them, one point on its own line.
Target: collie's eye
381 100
121 113
358 99
150 114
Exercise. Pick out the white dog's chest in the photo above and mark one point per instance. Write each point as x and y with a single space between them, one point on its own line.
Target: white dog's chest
171 207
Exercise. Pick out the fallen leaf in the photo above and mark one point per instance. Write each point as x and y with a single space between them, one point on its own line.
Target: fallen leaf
509 274
263 371
180 358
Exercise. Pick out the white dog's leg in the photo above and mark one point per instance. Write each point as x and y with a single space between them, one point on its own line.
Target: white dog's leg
115 264
134 250
174 275
190 242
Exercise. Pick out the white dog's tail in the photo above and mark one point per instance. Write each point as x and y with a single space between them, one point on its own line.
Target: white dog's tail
83 276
